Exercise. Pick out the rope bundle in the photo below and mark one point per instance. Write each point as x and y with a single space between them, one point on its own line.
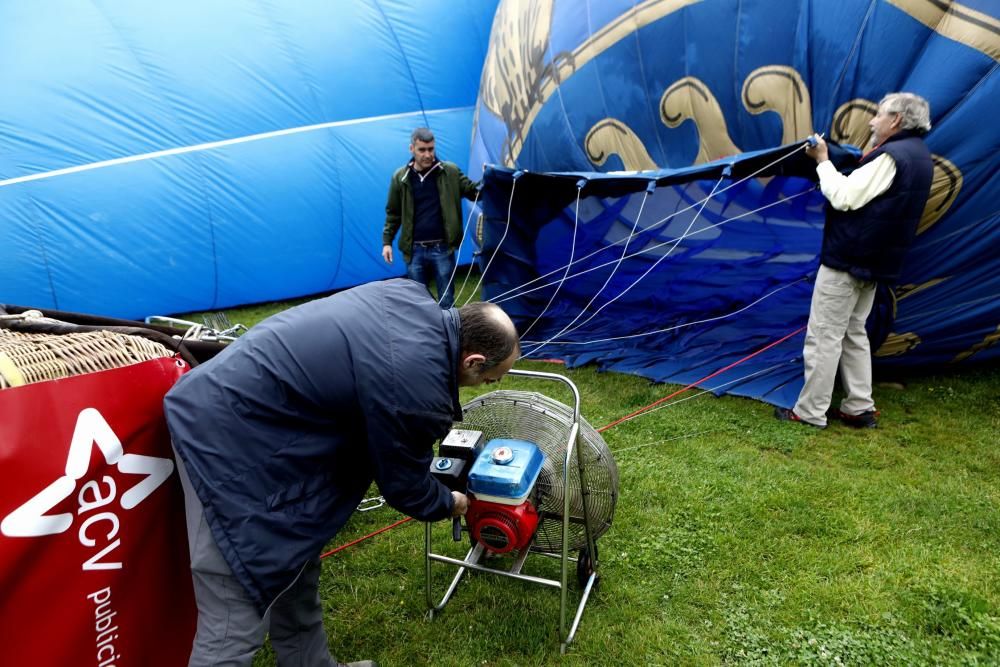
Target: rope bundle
27 357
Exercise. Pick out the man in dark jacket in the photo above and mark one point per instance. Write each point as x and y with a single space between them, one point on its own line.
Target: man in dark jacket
425 199
871 220
279 437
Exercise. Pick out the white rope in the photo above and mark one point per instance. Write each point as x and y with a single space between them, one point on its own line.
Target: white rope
949 308
510 207
616 452
702 393
458 253
675 327
567 329
519 290
614 270
649 249
572 251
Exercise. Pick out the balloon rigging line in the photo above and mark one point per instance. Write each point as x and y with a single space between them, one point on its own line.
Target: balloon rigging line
660 442
506 229
947 309
572 251
513 293
211 145
854 48
613 271
649 408
635 282
365 537
661 222
676 326
458 253
732 185
697 382
706 391
654 265
652 407
962 231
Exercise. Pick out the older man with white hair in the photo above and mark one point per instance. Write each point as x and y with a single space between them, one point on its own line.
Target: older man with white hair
871 220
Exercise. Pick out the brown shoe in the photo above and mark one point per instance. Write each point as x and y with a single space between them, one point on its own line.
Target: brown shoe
788 415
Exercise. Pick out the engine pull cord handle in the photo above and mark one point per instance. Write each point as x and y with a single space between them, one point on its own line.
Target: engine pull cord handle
456 528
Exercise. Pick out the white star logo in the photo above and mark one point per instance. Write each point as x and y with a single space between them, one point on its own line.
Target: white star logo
31 518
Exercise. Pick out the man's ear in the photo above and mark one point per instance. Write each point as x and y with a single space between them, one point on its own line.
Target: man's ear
473 361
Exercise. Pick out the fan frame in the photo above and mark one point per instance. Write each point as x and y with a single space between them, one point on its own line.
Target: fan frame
472 560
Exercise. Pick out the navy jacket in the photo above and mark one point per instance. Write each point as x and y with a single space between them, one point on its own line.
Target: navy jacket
283 432
870 243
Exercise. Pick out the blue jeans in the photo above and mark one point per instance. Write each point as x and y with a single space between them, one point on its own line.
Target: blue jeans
437 260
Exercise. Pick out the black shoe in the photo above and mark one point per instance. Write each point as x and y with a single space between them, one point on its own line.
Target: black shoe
788 415
868 419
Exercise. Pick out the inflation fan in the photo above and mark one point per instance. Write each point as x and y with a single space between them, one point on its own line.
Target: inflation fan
540 481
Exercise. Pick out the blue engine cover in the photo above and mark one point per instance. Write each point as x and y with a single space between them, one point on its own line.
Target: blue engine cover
506 469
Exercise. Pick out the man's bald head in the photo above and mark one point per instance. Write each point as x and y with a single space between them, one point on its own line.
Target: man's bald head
489 343
487 330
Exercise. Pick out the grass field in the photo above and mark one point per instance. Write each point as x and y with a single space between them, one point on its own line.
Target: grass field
737 539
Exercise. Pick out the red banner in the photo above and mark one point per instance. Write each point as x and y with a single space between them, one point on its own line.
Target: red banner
94 566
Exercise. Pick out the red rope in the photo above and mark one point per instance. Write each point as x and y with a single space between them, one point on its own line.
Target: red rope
602 429
362 539
696 383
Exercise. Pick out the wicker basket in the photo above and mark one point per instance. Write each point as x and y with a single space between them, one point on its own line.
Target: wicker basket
29 357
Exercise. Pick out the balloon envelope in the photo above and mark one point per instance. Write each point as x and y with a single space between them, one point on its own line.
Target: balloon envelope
168 157
678 280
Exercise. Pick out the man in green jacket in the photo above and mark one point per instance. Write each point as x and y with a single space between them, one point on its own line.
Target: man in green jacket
425 200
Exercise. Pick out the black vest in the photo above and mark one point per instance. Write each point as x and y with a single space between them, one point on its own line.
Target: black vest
870 243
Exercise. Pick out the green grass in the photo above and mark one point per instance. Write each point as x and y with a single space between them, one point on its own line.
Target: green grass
737 539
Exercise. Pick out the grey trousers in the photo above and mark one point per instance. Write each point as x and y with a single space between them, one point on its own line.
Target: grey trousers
230 631
836 338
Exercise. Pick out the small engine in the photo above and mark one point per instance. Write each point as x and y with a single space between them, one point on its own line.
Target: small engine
499 477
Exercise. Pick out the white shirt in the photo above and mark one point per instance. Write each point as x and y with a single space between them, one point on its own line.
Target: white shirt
849 193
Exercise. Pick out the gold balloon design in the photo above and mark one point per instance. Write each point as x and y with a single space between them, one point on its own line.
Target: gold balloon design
515 66
690 99
988 341
898 344
612 137
780 89
850 122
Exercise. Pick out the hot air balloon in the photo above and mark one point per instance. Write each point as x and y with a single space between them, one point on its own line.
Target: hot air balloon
649 208
159 158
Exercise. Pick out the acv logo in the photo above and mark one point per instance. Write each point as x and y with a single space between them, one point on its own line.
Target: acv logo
32 519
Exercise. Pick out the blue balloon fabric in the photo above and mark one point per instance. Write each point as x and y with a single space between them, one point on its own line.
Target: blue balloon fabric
697 246
169 157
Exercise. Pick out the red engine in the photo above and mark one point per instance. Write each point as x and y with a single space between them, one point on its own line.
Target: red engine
502 528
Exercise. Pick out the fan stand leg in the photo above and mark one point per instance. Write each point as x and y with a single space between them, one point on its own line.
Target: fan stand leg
472 557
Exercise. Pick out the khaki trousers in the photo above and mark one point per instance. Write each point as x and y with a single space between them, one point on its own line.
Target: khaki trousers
836 336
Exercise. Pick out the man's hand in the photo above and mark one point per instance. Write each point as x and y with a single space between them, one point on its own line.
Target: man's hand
387 254
461 503
818 151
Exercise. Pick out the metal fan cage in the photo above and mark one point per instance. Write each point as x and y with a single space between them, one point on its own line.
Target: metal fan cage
547 423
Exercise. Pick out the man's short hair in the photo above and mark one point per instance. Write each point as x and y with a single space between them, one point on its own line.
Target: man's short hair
486 330
423 134
913 109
